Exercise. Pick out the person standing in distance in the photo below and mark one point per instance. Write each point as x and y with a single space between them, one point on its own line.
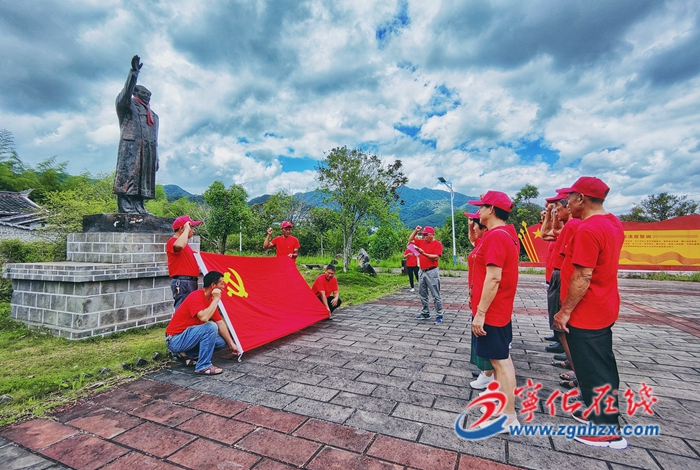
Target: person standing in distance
286 244
430 251
411 267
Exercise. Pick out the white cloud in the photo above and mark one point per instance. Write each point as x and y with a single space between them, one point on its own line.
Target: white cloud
239 84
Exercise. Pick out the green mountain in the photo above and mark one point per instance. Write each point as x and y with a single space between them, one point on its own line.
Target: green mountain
420 206
175 192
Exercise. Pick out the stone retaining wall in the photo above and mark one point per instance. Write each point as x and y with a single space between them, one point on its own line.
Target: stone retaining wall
112 282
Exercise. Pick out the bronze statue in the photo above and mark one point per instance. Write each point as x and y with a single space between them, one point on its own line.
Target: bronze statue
137 160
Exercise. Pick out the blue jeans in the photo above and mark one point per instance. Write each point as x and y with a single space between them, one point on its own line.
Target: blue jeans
199 340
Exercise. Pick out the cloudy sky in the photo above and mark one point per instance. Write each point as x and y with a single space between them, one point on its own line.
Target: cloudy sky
489 95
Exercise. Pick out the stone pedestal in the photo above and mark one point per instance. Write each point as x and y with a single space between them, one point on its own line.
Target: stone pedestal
112 281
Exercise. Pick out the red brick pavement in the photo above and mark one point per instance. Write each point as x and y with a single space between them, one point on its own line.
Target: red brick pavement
133 426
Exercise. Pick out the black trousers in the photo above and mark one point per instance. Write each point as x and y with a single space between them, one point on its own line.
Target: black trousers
553 297
328 299
592 352
412 272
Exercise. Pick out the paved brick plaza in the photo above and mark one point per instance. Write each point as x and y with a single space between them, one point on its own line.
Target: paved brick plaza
376 388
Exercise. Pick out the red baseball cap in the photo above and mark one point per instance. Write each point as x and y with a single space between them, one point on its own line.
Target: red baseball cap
181 221
588 186
472 215
496 199
286 224
428 230
556 198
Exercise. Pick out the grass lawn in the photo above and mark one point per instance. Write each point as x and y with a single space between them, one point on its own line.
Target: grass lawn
40 371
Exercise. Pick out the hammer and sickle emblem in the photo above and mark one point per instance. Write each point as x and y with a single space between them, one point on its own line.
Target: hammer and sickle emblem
236 286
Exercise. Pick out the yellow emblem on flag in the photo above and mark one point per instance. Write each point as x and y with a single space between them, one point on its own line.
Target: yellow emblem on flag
236 286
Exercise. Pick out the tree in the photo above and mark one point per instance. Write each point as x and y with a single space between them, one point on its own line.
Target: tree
525 211
321 221
663 206
47 177
526 194
359 187
7 147
444 234
88 196
386 241
227 210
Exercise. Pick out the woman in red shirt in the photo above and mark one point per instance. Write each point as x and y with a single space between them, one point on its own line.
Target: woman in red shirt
411 266
476 231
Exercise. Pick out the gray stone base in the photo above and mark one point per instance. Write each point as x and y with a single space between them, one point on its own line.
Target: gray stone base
79 300
110 290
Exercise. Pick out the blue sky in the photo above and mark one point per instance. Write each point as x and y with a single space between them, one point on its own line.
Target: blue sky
489 95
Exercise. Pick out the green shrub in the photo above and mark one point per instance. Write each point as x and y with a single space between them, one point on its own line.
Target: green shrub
17 251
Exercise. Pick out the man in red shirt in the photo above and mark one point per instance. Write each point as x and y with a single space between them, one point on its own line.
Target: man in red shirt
550 229
182 266
197 328
591 304
476 233
286 244
554 295
430 251
326 289
495 281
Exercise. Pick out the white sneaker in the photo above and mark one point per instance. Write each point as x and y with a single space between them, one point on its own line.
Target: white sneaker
481 382
412 289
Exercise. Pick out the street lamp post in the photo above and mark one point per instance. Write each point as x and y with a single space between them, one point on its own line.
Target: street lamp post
452 208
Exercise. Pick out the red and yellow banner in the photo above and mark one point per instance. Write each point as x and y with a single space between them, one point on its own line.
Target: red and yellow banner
264 298
671 244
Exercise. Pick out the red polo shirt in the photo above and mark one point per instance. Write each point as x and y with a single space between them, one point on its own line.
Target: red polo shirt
499 247
186 314
412 259
564 238
285 245
470 262
432 248
323 284
596 244
181 263
549 264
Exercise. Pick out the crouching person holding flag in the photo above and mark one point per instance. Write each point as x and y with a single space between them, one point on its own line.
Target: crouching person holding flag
197 328
326 289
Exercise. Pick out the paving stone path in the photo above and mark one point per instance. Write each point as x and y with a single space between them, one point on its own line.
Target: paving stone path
373 389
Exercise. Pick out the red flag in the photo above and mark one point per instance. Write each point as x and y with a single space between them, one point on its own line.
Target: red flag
264 298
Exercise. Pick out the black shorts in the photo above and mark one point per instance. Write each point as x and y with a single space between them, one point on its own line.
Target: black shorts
553 297
496 343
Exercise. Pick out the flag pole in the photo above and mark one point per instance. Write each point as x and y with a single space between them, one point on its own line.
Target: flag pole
204 270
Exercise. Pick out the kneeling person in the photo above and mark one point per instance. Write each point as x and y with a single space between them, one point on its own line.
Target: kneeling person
326 289
197 327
